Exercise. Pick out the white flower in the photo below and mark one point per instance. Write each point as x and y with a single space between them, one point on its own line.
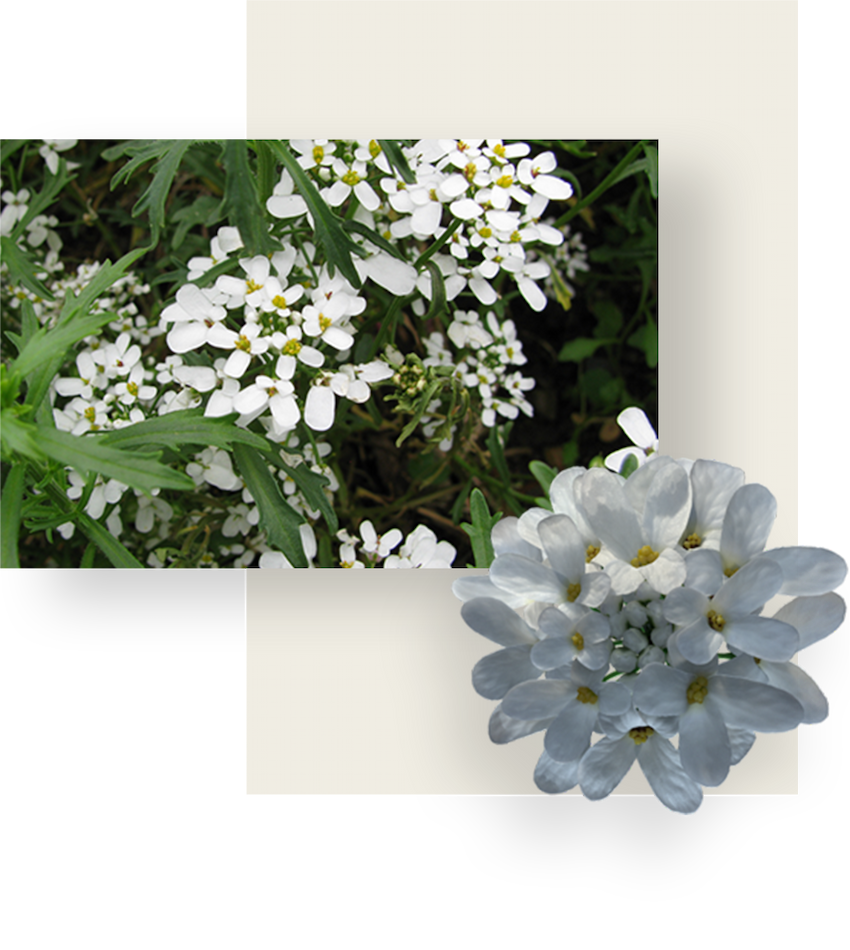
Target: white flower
533 172
350 179
283 203
638 428
246 344
49 151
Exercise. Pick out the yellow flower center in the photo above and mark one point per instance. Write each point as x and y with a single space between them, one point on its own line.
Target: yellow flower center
499 150
485 232
351 178
729 571
640 734
251 286
516 237
243 343
279 301
577 641
715 621
324 322
469 171
585 695
292 348
318 154
89 414
692 541
504 181
132 389
573 590
698 690
645 556
374 149
591 553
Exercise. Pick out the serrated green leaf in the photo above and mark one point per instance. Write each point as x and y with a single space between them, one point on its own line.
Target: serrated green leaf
241 202
186 427
395 156
279 519
337 245
22 268
155 195
580 349
89 455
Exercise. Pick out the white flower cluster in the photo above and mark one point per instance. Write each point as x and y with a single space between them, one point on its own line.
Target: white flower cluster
631 613
420 549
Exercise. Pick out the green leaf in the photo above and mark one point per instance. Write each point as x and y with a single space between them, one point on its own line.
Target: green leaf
337 245
186 427
204 210
18 437
496 444
241 201
311 485
481 528
74 324
395 156
579 349
266 170
22 268
11 503
89 455
544 473
438 292
630 464
371 235
279 519
651 153
118 555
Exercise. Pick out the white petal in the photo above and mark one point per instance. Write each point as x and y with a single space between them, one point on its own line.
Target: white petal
704 747
604 766
320 408
813 617
660 763
494 675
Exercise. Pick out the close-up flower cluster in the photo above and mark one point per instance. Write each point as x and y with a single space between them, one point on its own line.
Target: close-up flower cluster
320 342
630 613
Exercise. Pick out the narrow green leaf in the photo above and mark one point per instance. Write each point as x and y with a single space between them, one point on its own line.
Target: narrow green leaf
312 486
651 153
118 555
544 473
241 201
18 437
496 444
89 455
11 502
88 556
439 305
481 528
100 283
395 156
579 349
153 198
337 244
48 344
279 519
186 427
204 210
370 234
266 168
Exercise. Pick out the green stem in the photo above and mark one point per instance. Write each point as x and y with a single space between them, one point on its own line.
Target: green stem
602 187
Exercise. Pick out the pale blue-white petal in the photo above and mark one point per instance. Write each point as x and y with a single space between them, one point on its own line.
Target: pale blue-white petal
660 763
685 606
813 617
714 484
539 699
660 690
809 571
615 699
563 546
554 777
793 680
704 747
746 527
529 579
748 589
763 637
507 539
755 706
668 507
569 735
666 572
602 496
604 766
499 672
595 587
465 588
698 643
553 652
704 571
493 619
502 729
741 741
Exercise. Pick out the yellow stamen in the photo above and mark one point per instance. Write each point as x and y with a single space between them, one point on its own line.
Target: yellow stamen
640 734
698 690
645 556
585 695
